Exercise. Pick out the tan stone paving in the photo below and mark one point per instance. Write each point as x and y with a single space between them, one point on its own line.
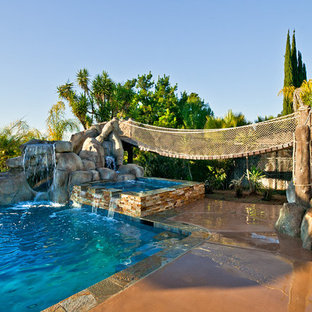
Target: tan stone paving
244 266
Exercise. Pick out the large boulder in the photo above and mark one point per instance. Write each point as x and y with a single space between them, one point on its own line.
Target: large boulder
290 218
32 142
134 169
98 127
306 230
92 150
78 139
291 193
63 147
14 188
59 191
15 163
107 174
125 177
68 162
118 151
95 175
109 127
108 148
80 177
111 133
88 165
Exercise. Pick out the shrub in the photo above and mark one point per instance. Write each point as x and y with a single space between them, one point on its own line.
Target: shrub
254 177
237 185
267 194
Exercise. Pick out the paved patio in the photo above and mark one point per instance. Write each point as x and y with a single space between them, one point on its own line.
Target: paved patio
244 266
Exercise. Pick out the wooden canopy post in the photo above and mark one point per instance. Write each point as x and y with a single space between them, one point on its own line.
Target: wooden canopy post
302 178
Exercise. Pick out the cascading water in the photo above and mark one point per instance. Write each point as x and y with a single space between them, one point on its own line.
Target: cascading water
113 202
110 162
39 166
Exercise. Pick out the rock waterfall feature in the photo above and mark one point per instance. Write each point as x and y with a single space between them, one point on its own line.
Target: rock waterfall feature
48 170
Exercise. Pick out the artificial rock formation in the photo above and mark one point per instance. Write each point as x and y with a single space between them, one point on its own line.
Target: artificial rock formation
63 147
59 191
88 165
125 177
110 133
133 169
290 218
92 150
78 139
14 188
295 218
81 160
306 230
80 177
107 174
68 162
15 163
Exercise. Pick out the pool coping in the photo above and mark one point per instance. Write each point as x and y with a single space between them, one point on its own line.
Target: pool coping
96 294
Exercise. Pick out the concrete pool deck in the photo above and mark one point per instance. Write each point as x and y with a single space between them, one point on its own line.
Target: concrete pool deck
242 266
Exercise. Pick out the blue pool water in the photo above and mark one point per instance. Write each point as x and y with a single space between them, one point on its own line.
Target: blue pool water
139 185
49 253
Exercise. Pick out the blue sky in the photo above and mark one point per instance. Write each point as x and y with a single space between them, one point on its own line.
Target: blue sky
229 52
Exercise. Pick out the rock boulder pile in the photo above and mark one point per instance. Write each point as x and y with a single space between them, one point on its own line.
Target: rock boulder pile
80 160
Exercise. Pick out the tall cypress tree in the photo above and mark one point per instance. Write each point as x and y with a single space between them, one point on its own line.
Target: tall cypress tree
300 69
294 63
288 76
304 72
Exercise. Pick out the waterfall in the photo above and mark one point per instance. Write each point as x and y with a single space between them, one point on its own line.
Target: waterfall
39 166
113 202
110 162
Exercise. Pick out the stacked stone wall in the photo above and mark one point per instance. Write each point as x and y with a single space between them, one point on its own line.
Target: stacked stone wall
137 204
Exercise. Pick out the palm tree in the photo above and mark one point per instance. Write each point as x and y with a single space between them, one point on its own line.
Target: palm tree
65 91
83 80
11 137
304 93
57 124
102 91
230 120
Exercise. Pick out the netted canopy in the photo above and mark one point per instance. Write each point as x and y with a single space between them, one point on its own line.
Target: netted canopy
257 138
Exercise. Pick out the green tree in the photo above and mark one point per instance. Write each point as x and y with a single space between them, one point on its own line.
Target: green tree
11 137
57 124
302 72
288 76
101 99
305 92
294 62
301 75
194 111
79 103
143 99
230 120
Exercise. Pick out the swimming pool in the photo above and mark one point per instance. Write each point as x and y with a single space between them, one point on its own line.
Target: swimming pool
49 252
139 185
